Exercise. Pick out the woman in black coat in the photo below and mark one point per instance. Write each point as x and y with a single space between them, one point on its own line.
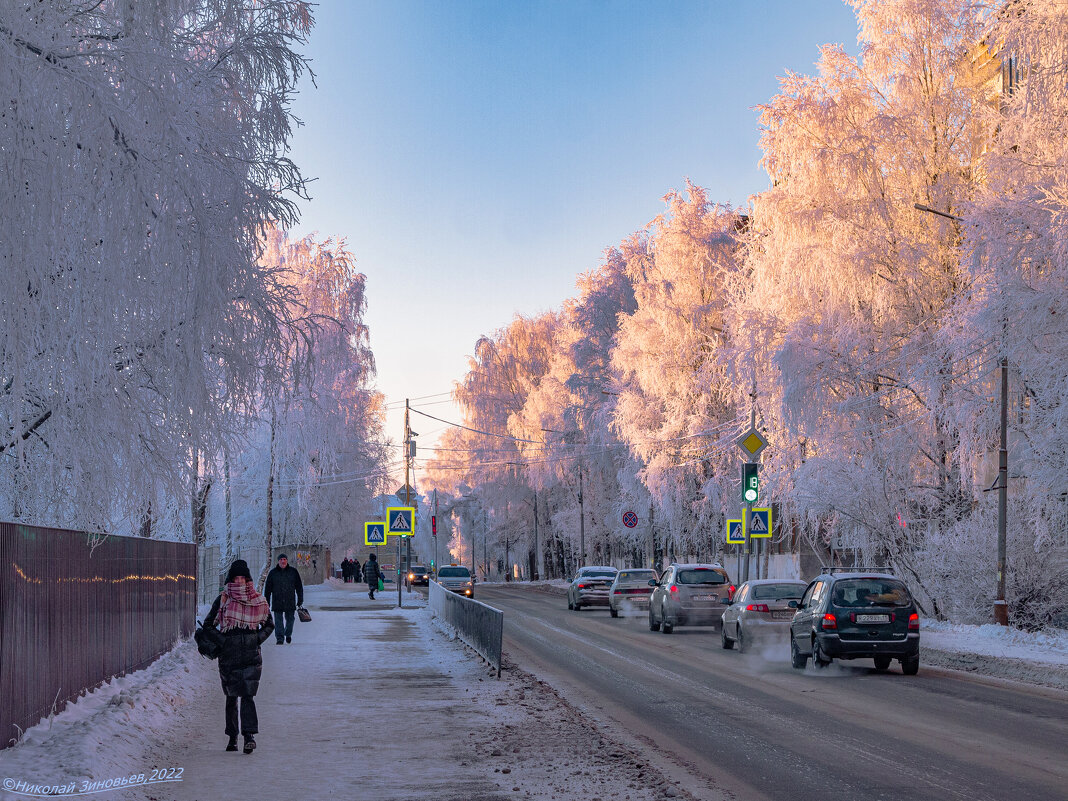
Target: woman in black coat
242 615
371 574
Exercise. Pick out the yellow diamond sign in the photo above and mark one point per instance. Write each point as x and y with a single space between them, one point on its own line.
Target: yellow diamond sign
752 443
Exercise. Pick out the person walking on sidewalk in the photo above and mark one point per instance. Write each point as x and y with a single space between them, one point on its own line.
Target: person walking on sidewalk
355 570
346 570
371 573
242 615
284 592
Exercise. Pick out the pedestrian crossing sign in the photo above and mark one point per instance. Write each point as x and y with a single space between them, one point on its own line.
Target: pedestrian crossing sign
400 521
760 523
374 533
735 532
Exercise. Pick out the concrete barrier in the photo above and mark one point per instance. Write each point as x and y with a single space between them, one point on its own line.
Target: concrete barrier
480 626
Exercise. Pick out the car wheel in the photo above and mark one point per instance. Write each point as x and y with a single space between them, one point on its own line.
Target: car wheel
570 606
666 627
910 665
653 625
724 640
882 662
797 659
740 639
819 659
613 612
578 606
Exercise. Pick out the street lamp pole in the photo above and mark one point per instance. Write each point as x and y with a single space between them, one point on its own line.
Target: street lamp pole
1001 606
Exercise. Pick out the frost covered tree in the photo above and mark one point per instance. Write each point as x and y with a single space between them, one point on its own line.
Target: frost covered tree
1016 257
675 409
142 149
317 440
836 316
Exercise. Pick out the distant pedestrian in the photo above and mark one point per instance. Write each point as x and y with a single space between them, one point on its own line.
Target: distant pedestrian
346 570
242 615
284 592
371 573
356 570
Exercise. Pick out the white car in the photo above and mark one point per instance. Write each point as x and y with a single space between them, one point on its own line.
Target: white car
590 587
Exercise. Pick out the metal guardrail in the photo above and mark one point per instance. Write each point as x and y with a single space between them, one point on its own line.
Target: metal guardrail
74 613
480 626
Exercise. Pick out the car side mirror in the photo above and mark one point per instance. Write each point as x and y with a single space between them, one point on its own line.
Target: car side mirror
795 605
652 582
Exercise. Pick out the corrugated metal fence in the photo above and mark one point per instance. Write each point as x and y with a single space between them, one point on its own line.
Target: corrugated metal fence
477 624
73 615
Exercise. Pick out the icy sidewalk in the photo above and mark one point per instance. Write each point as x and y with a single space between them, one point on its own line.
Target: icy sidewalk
368 702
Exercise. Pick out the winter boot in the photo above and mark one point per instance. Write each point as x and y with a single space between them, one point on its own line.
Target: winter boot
250 744
232 745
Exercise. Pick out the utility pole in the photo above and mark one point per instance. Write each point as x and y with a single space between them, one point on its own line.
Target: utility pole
537 551
582 522
1001 607
407 495
436 565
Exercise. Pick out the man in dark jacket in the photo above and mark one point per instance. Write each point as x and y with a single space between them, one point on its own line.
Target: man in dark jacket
346 570
355 570
284 592
371 574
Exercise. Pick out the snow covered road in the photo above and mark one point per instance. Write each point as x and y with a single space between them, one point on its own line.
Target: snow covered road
749 725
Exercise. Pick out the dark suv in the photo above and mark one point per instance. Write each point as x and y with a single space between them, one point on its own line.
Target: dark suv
856 616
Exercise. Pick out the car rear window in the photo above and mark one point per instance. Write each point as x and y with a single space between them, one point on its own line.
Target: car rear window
768 592
597 573
636 576
454 572
700 575
870 592
418 569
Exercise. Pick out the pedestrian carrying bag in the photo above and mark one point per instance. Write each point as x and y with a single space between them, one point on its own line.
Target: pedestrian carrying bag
381 584
303 614
209 641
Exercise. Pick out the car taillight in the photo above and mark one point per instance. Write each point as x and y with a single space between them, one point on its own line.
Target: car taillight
757 608
617 592
914 622
730 592
582 586
829 622
674 588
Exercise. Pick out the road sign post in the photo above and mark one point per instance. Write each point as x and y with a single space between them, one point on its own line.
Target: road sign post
751 443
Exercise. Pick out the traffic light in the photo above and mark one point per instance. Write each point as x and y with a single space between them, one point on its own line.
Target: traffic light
750 482
431 564
434 525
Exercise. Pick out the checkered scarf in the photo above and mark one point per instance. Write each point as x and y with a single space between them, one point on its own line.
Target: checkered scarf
241 607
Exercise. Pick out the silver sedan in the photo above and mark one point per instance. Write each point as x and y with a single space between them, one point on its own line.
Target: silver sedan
760 610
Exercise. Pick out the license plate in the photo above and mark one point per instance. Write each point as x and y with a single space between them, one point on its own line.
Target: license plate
787 615
703 597
873 618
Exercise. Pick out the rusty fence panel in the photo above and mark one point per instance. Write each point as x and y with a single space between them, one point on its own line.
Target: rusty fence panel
74 614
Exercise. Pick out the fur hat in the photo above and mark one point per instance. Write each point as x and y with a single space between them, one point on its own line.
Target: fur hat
238 568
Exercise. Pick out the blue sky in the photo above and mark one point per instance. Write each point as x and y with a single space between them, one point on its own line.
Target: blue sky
478 156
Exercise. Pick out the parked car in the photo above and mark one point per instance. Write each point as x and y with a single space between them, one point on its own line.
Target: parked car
689 595
590 587
856 616
630 589
759 611
418 574
456 578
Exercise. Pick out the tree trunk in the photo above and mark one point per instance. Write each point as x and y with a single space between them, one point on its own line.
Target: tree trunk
269 538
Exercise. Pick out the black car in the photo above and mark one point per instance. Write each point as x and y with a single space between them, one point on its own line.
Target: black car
418 575
856 616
